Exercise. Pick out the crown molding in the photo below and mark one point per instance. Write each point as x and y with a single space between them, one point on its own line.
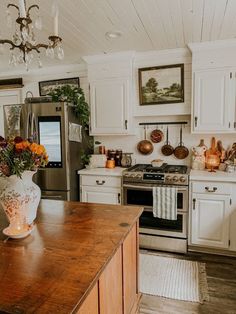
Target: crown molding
212 45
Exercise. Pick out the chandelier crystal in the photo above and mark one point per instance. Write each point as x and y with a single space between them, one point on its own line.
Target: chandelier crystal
23 43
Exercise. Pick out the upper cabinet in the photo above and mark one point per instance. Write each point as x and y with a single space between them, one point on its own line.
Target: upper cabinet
213 102
110 81
213 87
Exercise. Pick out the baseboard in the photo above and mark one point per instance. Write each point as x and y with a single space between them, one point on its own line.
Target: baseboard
199 249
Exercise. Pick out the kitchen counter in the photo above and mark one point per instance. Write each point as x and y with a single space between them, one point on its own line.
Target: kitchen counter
55 268
117 171
212 176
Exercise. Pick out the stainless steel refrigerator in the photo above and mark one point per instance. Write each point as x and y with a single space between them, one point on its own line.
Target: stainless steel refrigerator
55 126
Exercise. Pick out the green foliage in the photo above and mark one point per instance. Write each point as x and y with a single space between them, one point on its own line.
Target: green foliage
74 96
85 158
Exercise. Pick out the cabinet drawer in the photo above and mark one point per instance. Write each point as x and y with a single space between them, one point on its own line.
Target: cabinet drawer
211 187
101 181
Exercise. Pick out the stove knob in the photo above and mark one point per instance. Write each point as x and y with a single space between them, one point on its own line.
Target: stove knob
168 178
175 179
182 179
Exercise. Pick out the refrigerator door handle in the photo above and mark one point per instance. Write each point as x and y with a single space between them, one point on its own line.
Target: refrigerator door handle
28 125
34 128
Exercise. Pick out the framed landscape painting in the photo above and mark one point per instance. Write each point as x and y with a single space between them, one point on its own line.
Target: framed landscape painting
46 87
161 84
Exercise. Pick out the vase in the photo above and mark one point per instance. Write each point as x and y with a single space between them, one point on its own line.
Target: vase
19 198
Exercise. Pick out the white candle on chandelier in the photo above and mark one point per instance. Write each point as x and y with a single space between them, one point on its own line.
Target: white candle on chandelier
22 8
56 32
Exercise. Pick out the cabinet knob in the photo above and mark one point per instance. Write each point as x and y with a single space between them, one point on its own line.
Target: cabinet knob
194 203
126 124
100 183
209 190
195 121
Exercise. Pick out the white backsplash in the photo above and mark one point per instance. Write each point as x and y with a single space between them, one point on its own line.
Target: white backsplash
129 143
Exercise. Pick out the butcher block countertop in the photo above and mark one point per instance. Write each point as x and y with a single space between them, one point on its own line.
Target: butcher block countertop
54 269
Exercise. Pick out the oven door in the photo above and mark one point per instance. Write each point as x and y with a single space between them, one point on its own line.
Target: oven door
141 195
137 194
163 227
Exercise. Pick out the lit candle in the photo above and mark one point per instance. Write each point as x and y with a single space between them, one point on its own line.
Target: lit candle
22 8
56 23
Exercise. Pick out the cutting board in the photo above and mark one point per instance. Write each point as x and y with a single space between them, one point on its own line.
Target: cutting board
212 151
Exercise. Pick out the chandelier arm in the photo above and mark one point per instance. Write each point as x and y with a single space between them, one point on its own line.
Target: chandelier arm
7 41
38 46
13 5
31 7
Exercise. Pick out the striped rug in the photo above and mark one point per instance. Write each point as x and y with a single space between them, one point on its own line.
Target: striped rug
173 278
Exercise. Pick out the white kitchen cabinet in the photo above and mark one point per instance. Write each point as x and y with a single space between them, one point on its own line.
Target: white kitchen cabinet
8 97
101 185
103 195
110 79
210 220
213 101
109 100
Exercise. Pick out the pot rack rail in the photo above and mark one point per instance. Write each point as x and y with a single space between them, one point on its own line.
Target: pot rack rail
164 123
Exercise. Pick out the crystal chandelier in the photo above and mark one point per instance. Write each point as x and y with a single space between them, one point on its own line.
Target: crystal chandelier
23 43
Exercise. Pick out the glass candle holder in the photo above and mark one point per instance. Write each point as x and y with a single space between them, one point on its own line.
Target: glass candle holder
212 162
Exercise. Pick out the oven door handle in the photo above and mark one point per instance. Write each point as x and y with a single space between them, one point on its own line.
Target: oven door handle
150 187
137 187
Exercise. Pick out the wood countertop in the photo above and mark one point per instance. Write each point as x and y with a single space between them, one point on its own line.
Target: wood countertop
54 269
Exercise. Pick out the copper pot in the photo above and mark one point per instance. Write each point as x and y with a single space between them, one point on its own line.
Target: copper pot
181 151
145 147
167 149
156 136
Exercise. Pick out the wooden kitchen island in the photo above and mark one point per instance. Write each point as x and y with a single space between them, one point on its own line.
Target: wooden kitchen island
80 258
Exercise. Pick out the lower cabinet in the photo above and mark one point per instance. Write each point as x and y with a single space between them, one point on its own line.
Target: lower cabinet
101 195
110 286
130 271
210 220
100 189
90 305
117 288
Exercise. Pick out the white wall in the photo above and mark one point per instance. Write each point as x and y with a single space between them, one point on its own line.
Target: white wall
171 112
31 78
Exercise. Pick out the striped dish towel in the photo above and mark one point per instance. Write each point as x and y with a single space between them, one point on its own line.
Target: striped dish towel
165 202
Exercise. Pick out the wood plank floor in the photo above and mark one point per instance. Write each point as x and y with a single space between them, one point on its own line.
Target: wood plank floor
221 278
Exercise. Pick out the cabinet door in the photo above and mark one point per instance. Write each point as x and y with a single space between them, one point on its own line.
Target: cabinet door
210 220
7 98
110 286
109 106
213 99
130 270
101 195
90 305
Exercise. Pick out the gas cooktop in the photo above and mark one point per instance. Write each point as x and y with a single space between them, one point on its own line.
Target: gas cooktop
166 174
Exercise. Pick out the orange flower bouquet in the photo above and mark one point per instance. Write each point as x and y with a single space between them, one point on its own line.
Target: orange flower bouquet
18 155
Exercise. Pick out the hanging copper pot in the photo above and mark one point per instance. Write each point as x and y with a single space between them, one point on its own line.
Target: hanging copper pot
145 147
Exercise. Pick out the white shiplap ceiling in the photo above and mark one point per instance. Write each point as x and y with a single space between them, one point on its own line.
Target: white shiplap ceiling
145 25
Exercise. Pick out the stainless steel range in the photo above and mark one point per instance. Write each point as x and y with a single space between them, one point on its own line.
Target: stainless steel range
156 233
